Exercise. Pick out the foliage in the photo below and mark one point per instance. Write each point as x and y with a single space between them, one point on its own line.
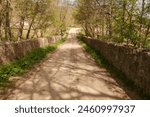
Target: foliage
63 17
123 21
27 19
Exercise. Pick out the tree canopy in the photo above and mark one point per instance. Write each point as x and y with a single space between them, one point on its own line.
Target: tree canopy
27 19
123 21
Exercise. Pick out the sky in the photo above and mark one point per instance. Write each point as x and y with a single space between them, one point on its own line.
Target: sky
71 1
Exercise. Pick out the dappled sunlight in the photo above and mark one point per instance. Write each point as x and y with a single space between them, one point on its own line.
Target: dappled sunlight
69 73
86 89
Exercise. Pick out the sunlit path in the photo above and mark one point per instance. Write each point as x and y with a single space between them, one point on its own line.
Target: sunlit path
68 73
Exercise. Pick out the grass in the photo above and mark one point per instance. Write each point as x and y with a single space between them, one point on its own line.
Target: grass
24 64
100 59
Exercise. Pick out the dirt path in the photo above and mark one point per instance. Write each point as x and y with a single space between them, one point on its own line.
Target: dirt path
68 73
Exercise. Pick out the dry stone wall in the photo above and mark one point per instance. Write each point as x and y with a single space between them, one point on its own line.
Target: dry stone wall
133 62
10 51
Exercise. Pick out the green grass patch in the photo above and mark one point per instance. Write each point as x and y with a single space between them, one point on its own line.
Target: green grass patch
25 63
100 59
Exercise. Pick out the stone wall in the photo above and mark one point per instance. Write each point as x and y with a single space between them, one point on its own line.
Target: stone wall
10 51
135 63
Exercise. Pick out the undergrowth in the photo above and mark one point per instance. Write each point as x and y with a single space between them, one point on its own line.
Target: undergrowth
25 63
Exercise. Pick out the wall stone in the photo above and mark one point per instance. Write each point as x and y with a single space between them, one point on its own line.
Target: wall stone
10 51
135 63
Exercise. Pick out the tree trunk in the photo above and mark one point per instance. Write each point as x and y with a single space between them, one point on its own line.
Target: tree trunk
7 22
110 19
29 29
131 23
123 21
21 28
0 27
141 22
1 12
42 34
146 34
32 21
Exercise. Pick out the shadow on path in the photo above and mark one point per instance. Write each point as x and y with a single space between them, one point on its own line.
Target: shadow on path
67 74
